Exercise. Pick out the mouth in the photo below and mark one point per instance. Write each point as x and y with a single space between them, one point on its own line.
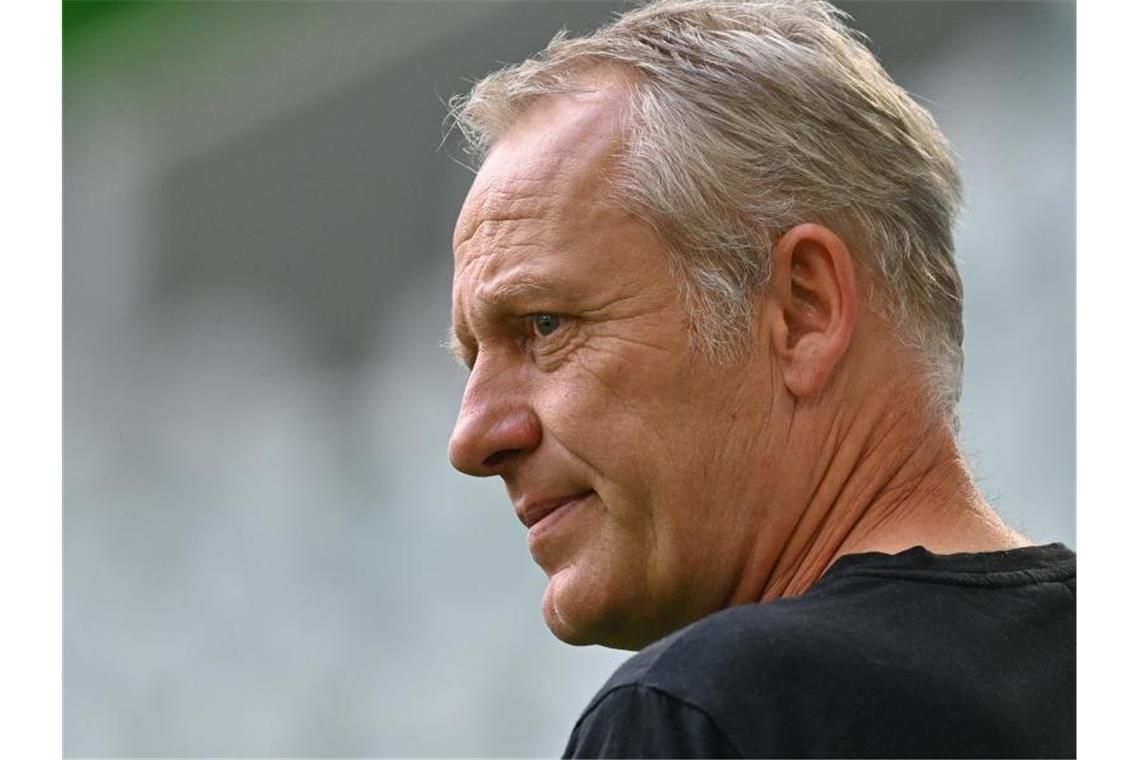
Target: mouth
532 514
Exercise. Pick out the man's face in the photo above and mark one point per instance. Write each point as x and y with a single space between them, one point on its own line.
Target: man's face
630 456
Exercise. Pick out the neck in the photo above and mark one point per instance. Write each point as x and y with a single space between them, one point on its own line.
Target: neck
885 486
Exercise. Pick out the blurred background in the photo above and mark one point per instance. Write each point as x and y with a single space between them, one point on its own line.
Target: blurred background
265 550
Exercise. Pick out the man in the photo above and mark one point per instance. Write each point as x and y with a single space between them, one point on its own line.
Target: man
705 285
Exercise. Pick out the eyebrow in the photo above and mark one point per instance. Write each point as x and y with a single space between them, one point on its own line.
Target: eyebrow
501 294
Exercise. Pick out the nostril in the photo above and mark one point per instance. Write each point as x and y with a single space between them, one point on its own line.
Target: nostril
500 458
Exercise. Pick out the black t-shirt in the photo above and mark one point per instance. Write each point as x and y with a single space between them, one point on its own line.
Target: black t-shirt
906 655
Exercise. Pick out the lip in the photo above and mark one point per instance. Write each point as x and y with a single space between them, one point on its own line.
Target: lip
533 513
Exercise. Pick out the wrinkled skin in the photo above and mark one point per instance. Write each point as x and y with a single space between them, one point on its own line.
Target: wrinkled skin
703 485
614 401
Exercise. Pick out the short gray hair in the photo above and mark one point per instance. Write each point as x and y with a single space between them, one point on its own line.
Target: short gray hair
745 119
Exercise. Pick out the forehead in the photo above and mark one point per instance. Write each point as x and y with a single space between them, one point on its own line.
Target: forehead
556 157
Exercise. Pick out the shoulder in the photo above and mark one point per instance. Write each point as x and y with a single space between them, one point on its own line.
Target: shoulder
746 681
908 665
750 642
899 656
688 694
638 720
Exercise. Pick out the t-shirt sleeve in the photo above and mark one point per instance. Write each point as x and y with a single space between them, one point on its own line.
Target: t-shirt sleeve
639 721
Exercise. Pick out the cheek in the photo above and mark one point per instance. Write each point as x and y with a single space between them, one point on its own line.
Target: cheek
647 449
608 431
645 557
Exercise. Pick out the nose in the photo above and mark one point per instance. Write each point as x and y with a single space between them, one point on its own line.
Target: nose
496 428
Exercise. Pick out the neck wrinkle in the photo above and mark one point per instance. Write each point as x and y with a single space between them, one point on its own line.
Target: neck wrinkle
870 480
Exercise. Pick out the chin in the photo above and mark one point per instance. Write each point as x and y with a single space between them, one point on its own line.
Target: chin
588 616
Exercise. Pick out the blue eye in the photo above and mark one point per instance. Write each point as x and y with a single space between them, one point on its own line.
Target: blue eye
546 323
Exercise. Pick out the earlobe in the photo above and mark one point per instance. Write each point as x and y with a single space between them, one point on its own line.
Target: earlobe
814 301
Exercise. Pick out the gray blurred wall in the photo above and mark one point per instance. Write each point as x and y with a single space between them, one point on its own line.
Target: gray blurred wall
265 551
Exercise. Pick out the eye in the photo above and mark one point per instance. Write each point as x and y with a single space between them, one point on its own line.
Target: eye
545 324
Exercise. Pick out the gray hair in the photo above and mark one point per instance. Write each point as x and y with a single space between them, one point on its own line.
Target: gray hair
745 119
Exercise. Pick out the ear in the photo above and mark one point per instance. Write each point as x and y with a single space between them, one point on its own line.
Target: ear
813 304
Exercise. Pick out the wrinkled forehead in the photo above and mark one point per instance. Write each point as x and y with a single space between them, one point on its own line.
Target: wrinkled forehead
557 153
